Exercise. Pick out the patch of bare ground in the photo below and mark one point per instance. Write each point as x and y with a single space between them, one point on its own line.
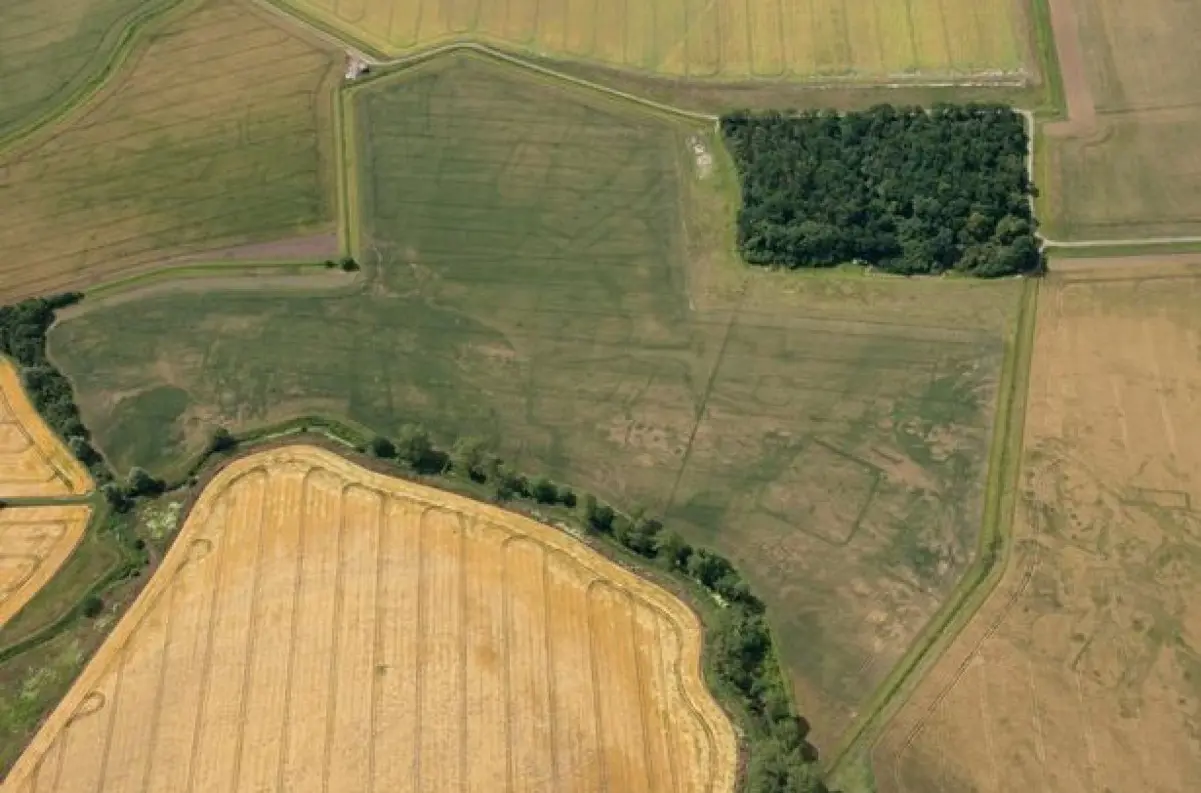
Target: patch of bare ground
313 247
1082 672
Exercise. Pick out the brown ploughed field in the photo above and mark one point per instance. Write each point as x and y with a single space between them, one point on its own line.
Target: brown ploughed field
316 626
1082 672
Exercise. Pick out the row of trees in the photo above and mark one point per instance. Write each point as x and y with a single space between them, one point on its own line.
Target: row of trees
739 643
906 189
23 328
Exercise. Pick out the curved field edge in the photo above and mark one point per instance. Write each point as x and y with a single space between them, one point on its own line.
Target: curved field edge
991 558
697 694
128 35
51 448
74 520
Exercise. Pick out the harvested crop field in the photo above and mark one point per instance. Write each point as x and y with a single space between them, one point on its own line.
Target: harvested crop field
707 39
578 312
1125 165
34 543
319 627
215 132
1083 670
33 460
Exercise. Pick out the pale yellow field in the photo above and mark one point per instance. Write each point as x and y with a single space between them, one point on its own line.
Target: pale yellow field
317 627
723 39
1082 672
33 461
34 543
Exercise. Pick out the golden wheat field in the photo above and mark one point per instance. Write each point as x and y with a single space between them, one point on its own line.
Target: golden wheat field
317 626
33 461
724 39
34 543
1082 672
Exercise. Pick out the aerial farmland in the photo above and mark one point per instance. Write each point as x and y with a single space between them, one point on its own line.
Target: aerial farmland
547 395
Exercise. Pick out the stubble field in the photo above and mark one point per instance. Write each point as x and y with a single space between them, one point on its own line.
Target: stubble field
319 627
1083 671
216 132
706 39
1126 165
549 270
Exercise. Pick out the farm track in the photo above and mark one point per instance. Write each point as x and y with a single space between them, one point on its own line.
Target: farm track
276 645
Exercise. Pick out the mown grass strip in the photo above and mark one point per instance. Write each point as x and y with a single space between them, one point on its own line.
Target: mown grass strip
992 547
241 268
1048 58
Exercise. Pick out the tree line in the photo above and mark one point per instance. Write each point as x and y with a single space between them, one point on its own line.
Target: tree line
905 189
23 328
739 645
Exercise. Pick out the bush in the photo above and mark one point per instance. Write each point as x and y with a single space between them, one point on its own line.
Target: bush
92 606
141 483
544 491
381 447
221 440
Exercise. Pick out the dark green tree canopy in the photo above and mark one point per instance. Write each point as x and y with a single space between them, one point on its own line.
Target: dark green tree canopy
905 189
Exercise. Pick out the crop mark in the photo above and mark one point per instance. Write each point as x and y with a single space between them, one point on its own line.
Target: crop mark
1164 414
1087 732
294 643
331 695
550 660
252 639
664 686
157 713
596 686
206 667
705 394
994 626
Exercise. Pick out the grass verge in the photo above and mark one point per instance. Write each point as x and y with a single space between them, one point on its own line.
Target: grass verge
992 552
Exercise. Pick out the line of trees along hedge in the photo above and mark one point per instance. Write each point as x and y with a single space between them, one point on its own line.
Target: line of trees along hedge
738 642
23 328
902 188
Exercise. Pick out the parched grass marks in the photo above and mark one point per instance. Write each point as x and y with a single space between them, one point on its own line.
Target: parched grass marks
606 358
1104 575
231 514
166 158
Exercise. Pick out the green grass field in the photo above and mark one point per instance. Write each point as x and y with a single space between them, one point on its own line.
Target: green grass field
549 269
215 132
53 49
